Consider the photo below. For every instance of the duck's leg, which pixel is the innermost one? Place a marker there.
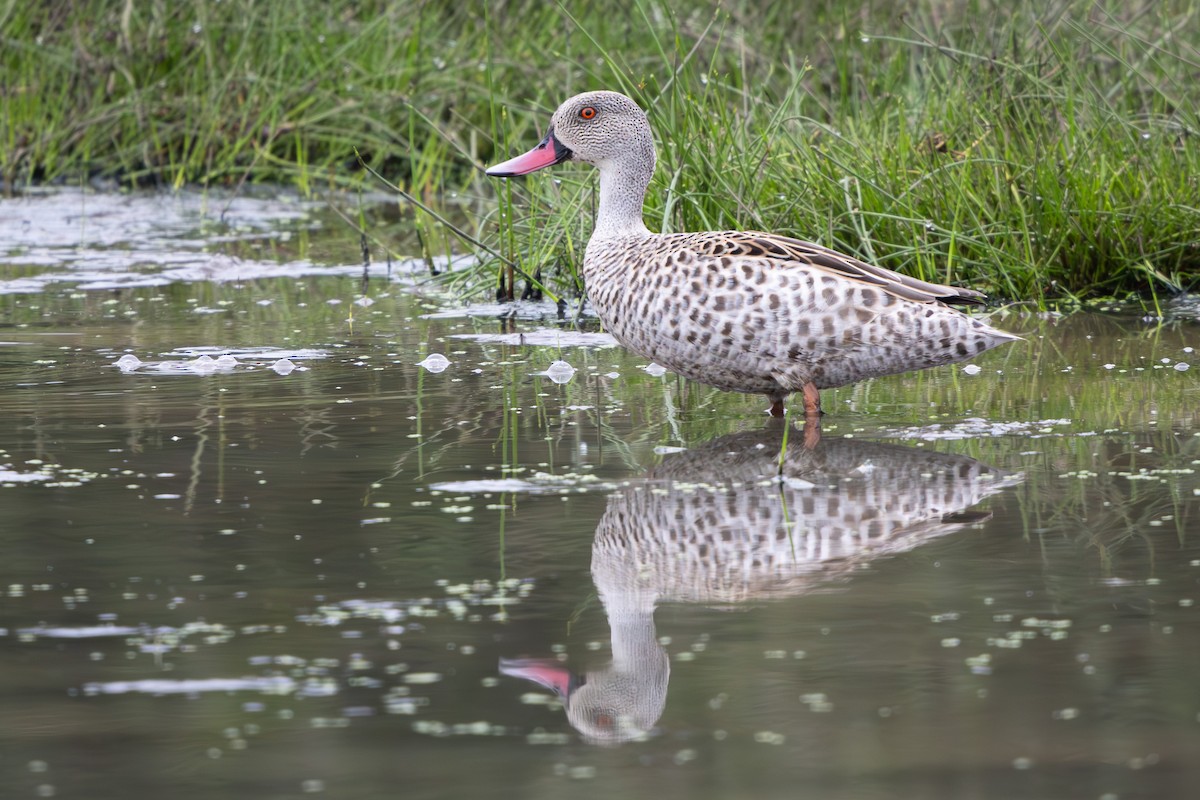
(812, 401)
(812, 415)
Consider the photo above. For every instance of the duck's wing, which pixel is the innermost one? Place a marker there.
(776, 248)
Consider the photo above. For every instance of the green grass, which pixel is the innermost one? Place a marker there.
(1045, 152)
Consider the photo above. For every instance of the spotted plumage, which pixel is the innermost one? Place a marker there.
(742, 311)
(717, 526)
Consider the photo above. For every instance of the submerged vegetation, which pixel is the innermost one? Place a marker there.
(1042, 151)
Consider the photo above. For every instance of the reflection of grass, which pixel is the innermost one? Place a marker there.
(368, 446)
(1033, 150)
(1059, 373)
(1125, 497)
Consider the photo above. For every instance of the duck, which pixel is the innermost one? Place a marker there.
(742, 311)
(719, 526)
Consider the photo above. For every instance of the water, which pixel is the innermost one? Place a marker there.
(363, 577)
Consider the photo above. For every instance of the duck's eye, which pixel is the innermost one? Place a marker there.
(587, 112)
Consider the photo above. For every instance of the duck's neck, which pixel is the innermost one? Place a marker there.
(623, 185)
(635, 644)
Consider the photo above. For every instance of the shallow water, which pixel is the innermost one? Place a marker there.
(319, 568)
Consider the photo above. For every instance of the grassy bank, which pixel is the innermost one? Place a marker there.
(1039, 153)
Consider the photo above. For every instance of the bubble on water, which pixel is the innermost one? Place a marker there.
(560, 372)
(283, 366)
(655, 370)
(364, 302)
(1182, 366)
(1110, 366)
(203, 365)
(435, 363)
(128, 362)
(972, 369)
(227, 361)
(685, 755)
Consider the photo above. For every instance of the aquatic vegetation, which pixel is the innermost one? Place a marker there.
(1043, 153)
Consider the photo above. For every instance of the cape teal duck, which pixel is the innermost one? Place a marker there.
(742, 311)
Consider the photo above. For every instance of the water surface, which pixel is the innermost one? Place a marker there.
(315, 567)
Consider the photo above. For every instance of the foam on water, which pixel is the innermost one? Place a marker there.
(543, 337)
(975, 428)
(520, 309)
(160, 686)
(120, 241)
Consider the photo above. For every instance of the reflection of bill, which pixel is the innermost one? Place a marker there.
(723, 524)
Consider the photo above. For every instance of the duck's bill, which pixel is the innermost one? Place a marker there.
(549, 152)
(546, 672)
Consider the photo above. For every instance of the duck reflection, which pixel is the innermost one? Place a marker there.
(726, 523)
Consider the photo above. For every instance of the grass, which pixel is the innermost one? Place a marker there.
(1044, 152)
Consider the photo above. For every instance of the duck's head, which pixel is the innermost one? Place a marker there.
(598, 128)
(606, 706)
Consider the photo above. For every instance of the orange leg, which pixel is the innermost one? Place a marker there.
(812, 416)
(812, 401)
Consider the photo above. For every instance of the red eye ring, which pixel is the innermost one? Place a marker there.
(587, 112)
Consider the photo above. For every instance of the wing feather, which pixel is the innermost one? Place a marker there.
(784, 248)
